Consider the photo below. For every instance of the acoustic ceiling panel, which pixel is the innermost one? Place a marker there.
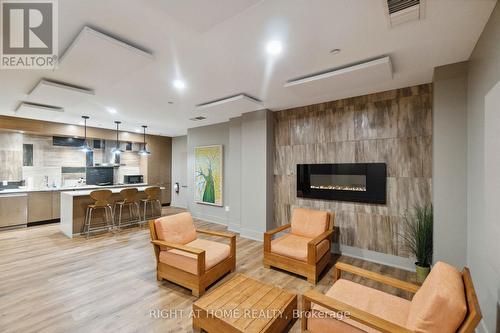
(229, 107)
(97, 59)
(58, 93)
(344, 79)
(40, 111)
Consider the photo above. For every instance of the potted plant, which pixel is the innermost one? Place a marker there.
(418, 238)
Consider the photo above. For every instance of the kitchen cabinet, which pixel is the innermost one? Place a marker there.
(13, 210)
(39, 206)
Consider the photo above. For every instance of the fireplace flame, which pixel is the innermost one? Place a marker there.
(339, 187)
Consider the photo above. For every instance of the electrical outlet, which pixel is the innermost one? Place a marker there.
(5, 183)
(227, 208)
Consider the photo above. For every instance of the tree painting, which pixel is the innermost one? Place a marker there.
(208, 175)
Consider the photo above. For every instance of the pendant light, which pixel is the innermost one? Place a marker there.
(117, 149)
(85, 147)
(144, 151)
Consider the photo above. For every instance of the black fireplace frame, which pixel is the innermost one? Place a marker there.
(376, 182)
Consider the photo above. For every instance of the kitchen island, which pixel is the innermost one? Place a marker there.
(74, 205)
(21, 207)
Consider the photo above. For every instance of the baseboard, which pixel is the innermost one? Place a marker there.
(376, 257)
(208, 218)
(234, 228)
(32, 224)
(252, 234)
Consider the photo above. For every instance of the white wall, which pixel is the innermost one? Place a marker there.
(248, 173)
(217, 134)
(256, 173)
(449, 164)
(483, 231)
(179, 171)
(233, 165)
(491, 232)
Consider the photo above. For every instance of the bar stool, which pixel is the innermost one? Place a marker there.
(101, 202)
(129, 196)
(153, 196)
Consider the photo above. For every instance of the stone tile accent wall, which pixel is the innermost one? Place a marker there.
(11, 156)
(393, 127)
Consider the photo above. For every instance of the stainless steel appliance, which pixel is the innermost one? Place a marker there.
(133, 179)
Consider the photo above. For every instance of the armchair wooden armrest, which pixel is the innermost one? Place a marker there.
(353, 313)
(390, 281)
(231, 236)
(311, 246)
(216, 233)
(278, 229)
(200, 254)
(269, 234)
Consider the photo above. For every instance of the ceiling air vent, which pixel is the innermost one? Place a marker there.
(199, 118)
(403, 11)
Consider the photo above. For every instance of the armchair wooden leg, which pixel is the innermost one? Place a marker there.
(267, 266)
(306, 307)
(198, 291)
(312, 277)
(158, 277)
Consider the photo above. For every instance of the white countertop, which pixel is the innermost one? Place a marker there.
(113, 190)
(73, 188)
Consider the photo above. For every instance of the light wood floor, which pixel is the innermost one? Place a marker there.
(49, 283)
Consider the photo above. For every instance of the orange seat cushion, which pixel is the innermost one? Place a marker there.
(295, 247)
(440, 304)
(378, 303)
(177, 229)
(309, 223)
(214, 254)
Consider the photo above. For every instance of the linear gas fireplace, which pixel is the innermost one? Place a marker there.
(357, 182)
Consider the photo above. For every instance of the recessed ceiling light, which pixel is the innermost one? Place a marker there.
(112, 110)
(179, 84)
(335, 51)
(22, 132)
(274, 47)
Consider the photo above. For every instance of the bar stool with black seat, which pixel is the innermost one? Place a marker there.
(153, 197)
(129, 196)
(101, 198)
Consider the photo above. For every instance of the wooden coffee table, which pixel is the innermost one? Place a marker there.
(243, 304)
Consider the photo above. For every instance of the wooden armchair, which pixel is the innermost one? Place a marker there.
(446, 302)
(306, 249)
(189, 261)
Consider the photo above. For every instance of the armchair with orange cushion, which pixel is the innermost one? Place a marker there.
(306, 249)
(189, 261)
(445, 303)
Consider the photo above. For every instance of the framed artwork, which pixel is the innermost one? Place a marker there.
(208, 176)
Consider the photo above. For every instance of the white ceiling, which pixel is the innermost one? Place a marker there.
(218, 48)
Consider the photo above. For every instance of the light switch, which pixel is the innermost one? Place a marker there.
(5, 183)
(227, 208)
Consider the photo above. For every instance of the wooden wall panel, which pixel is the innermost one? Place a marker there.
(393, 127)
